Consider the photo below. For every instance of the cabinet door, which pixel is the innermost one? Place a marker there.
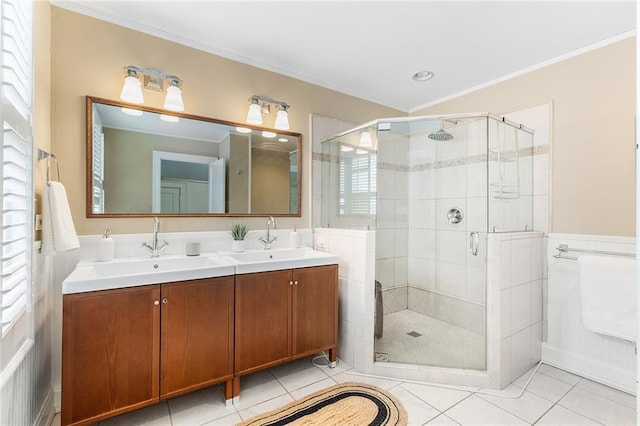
(263, 315)
(315, 309)
(110, 352)
(197, 334)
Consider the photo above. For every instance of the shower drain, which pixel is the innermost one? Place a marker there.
(414, 334)
(382, 357)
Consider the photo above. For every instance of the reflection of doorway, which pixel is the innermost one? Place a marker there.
(184, 183)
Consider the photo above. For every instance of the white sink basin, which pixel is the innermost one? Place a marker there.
(271, 260)
(118, 273)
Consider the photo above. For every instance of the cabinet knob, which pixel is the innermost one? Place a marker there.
(290, 282)
(156, 302)
(164, 301)
(295, 282)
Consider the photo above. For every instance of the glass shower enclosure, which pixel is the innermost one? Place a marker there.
(432, 188)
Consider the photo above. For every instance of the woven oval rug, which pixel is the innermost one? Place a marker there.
(346, 404)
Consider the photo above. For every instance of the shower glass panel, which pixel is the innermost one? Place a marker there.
(429, 187)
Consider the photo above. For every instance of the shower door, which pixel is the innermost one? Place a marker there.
(431, 242)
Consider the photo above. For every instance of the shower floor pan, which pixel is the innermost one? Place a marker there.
(413, 338)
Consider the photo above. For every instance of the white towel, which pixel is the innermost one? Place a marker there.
(608, 295)
(58, 232)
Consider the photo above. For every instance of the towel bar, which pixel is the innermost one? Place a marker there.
(564, 248)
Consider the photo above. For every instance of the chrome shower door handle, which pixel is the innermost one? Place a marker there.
(473, 243)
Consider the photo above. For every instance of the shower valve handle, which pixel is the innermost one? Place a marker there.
(473, 244)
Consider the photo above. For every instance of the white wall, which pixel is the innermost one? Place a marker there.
(569, 345)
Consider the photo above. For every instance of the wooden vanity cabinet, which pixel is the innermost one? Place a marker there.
(126, 348)
(284, 315)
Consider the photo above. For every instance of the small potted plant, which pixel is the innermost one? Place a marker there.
(238, 232)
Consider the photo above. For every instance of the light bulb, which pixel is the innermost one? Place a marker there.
(132, 90)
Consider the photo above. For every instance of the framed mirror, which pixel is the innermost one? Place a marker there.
(144, 161)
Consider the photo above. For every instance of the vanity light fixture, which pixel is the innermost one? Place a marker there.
(153, 80)
(262, 105)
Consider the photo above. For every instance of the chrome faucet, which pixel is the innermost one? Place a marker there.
(156, 246)
(266, 239)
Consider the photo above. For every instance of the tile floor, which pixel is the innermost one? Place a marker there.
(554, 397)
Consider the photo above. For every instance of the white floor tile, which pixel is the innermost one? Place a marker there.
(560, 416)
(258, 387)
(265, 406)
(418, 411)
(199, 407)
(476, 411)
(545, 386)
(154, 415)
(442, 420)
(597, 408)
(620, 397)
(315, 387)
(529, 407)
(561, 375)
(381, 383)
(440, 398)
(226, 421)
(298, 374)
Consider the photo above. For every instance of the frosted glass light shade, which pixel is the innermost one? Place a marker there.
(131, 111)
(169, 118)
(132, 90)
(269, 135)
(254, 116)
(173, 101)
(282, 120)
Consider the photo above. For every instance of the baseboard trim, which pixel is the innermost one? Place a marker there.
(624, 380)
(57, 399)
(47, 411)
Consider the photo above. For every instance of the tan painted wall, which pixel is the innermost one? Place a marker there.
(593, 148)
(270, 179)
(87, 59)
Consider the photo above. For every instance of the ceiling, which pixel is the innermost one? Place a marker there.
(371, 49)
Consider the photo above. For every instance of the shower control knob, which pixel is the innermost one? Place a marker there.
(454, 215)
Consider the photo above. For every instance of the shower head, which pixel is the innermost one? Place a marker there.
(441, 135)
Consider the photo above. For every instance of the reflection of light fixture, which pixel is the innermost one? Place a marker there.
(243, 130)
(169, 118)
(262, 105)
(268, 134)
(365, 139)
(131, 111)
(346, 148)
(283, 140)
(361, 151)
(153, 80)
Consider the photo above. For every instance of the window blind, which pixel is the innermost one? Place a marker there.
(357, 184)
(16, 153)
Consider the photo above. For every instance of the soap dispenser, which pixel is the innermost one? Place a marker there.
(106, 247)
(294, 238)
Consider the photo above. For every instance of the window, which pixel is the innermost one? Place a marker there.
(16, 155)
(358, 182)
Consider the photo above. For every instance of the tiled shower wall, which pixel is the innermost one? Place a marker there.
(392, 224)
(445, 280)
